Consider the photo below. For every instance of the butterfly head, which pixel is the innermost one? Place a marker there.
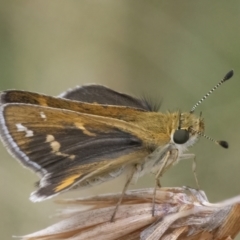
(187, 129)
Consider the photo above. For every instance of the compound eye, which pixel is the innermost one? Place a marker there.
(180, 136)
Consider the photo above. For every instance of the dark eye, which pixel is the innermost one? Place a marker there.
(180, 136)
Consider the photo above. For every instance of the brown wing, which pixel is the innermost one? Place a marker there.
(65, 147)
(94, 93)
(113, 111)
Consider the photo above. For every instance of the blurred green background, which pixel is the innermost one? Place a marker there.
(175, 50)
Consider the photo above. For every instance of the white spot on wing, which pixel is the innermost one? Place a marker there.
(29, 133)
(12, 146)
(21, 128)
(55, 145)
(50, 138)
(43, 116)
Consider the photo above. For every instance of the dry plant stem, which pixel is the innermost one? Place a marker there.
(180, 214)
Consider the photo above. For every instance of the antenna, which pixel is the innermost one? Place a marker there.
(222, 143)
(227, 77)
(180, 121)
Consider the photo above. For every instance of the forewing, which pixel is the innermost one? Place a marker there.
(119, 112)
(103, 95)
(65, 146)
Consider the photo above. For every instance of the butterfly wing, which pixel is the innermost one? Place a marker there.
(67, 147)
(125, 113)
(93, 94)
(103, 95)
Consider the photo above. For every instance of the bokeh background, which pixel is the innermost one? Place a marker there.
(174, 50)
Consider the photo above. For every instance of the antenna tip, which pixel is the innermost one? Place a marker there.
(228, 75)
(223, 144)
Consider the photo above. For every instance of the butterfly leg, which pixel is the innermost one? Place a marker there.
(194, 166)
(157, 179)
(133, 170)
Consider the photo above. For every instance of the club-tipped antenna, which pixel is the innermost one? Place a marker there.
(180, 121)
(226, 77)
(221, 143)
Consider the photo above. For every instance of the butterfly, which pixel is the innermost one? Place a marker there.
(92, 134)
